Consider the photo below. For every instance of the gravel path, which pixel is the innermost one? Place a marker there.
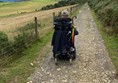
(92, 64)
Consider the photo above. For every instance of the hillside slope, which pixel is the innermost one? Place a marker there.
(107, 11)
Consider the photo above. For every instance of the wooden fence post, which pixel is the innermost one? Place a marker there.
(53, 17)
(70, 10)
(35, 26)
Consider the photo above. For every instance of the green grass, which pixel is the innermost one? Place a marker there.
(13, 8)
(110, 41)
(20, 69)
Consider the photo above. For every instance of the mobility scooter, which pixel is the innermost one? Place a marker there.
(63, 39)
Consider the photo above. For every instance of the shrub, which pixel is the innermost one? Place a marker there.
(60, 4)
(3, 40)
(3, 37)
(19, 42)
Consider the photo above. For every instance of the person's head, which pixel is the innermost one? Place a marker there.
(64, 14)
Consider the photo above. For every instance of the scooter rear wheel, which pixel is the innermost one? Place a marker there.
(70, 61)
(55, 60)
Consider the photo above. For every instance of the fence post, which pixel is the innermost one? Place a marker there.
(35, 26)
(70, 10)
(53, 17)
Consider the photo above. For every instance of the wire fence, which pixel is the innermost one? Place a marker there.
(27, 35)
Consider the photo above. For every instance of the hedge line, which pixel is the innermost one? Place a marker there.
(59, 4)
(20, 42)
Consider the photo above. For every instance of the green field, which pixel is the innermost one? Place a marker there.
(14, 8)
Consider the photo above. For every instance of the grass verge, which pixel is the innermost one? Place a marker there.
(110, 41)
(20, 69)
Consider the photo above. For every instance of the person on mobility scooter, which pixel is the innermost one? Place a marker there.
(63, 38)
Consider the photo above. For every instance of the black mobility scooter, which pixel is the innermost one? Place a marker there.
(63, 39)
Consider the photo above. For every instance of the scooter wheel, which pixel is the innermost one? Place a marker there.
(55, 60)
(70, 61)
